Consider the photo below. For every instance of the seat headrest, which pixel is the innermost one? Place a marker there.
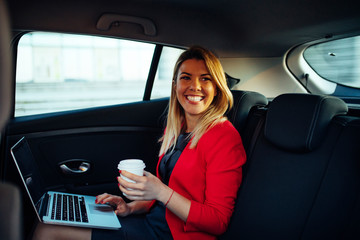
(298, 122)
(243, 102)
(231, 81)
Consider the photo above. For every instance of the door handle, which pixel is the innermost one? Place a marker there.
(75, 166)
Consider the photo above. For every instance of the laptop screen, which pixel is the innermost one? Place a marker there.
(28, 170)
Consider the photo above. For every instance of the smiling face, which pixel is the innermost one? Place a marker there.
(195, 90)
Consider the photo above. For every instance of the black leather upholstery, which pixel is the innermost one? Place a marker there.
(231, 81)
(335, 213)
(243, 102)
(298, 122)
(302, 180)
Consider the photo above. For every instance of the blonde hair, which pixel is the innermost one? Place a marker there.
(213, 114)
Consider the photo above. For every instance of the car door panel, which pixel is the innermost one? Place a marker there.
(99, 136)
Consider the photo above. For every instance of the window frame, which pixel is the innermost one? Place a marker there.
(152, 72)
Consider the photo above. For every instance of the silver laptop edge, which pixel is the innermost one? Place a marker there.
(90, 207)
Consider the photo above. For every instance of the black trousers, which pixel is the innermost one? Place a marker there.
(133, 227)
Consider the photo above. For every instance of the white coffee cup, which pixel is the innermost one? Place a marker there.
(135, 166)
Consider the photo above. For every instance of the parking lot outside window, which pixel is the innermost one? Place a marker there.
(57, 72)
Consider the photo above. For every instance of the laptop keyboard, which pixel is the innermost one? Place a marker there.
(69, 208)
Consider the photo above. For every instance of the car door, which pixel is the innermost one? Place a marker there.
(98, 137)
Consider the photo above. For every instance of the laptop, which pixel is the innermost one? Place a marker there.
(59, 208)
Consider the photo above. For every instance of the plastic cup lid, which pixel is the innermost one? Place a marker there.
(131, 164)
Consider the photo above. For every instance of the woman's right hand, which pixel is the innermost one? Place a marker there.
(122, 209)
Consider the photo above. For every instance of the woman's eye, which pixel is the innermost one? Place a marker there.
(185, 78)
(206, 79)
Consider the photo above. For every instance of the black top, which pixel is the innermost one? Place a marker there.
(170, 158)
(156, 217)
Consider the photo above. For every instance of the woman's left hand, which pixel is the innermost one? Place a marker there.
(147, 187)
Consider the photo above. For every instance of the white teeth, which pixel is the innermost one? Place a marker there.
(194, 98)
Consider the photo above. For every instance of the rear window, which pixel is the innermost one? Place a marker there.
(337, 61)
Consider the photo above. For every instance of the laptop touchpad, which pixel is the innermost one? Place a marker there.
(100, 209)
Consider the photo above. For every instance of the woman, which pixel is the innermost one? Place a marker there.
(199, 169)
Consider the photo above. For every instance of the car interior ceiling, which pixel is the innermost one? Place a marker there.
(234, 22)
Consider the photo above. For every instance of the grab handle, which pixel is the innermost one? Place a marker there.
(109, 19)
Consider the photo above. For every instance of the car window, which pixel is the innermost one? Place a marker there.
(328, 67)
(164, 74)
(57, 72)
(337, 61)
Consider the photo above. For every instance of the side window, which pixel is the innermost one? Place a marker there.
(57, 72)
(164, 74)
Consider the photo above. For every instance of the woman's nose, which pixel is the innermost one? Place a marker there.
(195, 84)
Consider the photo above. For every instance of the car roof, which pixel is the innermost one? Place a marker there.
(231, 28)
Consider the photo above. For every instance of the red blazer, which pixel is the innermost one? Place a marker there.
(209, 175)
